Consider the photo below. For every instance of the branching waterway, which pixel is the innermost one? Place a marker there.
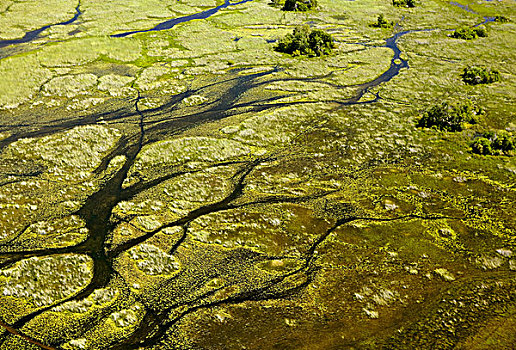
(34, 34)
(169, 24)
(167, 119)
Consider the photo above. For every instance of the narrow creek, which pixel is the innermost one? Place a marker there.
(34, 34)
(468, 9)
(172, 22)
(97, 209)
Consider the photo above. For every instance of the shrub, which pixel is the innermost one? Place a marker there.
(504, 142)
(277, 3)
(299, 5)
(482, 146)
(381, 22)
(479, 75)
(501, 19)
(304, 41)
(404, 3)
(468, 33)
(481, 31)
(494, 142)
(450, 117)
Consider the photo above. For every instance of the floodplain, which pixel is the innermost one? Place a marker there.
(182, 184)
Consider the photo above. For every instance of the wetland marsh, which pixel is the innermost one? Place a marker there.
(169, 180)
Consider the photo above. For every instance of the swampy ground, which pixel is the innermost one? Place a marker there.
(191, 188)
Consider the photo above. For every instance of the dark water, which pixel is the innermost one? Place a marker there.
(397, 64)
(172, 22)
(464, 7)
(467, 8)
(29, 36)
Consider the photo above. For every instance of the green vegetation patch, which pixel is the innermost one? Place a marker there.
(299, 5)
(306, 41)
(189, 150)
(468, 33)
(451, 116)
(48, 279)
(22, 16)
(501, 19)
(81, 148)
(153, 261)
(494, 143)
(275, 229)
(404, 3)
(474, 75)
(381, 22)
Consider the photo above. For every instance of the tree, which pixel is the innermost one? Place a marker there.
(381, 22)
(320, 42)
(482, 146)
(404, 3)
(504, 142)
(299, 5)
(494, 142)
(304, 41)
(501, 19)
(450, 116)
(468, 33)
(474, 75)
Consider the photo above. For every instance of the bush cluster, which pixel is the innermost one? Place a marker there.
(404, 3)
(450, 116)
(501, 19)
(299, 5)
(468, 33)
(305, 41)
(494, 142)
(381, 22)
(479, 75)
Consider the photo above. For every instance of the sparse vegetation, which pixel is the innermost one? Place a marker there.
(494, 143)
(479, 75)
(306, 41)
(469, 33)
(450, 116)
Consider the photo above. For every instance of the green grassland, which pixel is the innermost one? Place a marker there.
(193, 188)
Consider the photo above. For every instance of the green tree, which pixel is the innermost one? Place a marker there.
(304, 41)
(381, 22)
(450, 116)
(496, 142)
(299, 5)
(482, 146)
(474, 75)
(404, 3)
(468, 33)
(320, 42)
(504, 142)
(501, 19)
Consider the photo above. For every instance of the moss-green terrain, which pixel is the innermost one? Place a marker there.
(193, 188)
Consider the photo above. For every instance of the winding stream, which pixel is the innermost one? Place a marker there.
(32, 35)
(98, 208)
(172, 22)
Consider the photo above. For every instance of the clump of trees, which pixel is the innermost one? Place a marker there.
(451, 116)
(404, 3)
(494, 143)
(501, 19)
(299, 5)
(469, 33)
(474, 75)
(305, 41)
(381, 22)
